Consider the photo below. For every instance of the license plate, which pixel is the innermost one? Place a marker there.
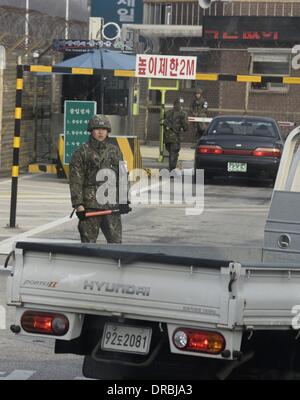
(125, 338)
(236, 167)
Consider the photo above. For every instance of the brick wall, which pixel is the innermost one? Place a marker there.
(229, 97)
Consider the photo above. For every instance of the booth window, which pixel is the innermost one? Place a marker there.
(113, 92)
(271, 65)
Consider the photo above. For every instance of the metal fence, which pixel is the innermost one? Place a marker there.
(43, 29)
(41, 93)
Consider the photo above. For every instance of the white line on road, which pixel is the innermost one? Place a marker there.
(22, 177)
(6, 245)
(18, 375)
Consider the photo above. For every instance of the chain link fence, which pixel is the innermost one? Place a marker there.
(42, 93)
(43, 29)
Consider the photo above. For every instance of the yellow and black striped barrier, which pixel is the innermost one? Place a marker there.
(130, 148)
(287, 80)
(77, 71)
(16, 147)
(47, 168)
(284, 79)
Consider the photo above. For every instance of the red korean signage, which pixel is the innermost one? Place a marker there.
(246, 35)
(251, 29)
(169, 67)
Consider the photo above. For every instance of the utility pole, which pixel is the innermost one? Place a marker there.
(67, 19)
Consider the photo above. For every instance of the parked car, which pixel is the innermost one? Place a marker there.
(240, 146)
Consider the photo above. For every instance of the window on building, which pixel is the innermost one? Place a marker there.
(166, 14)
(113, 92)
(270, 65)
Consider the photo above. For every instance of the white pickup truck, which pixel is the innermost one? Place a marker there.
(169, 311)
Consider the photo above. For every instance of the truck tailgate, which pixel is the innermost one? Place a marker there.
(117, 280)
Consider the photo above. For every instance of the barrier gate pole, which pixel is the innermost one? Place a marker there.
(16, 146)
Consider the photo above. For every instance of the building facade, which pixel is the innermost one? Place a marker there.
(238, 37)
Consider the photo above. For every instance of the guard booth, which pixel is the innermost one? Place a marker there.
(92, 78)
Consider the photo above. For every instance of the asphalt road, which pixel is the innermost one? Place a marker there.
(234, 215)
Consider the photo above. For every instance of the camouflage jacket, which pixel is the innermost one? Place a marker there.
(84, 166)
(197, 109)
(175, 124)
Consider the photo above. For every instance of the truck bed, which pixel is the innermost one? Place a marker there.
(162, 283)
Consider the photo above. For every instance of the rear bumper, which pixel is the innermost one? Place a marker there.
(217, 165)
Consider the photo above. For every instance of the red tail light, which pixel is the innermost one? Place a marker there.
(198, 340)
(209, 149)
(266, 152)
(45, 323)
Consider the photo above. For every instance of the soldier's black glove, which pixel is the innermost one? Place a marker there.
(124, 208)
(81, 215)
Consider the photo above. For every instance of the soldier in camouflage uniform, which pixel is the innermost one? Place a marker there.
(98, 153)
(175, 124)
(198, 109)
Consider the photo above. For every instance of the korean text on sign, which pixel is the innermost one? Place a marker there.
(126, 10)
(77, 116)
(160, 66)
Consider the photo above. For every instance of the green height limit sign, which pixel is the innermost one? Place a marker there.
(77, 116)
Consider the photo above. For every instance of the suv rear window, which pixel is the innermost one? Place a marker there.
(243, 127)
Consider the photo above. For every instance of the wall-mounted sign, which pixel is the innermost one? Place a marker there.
(77, 116)
(83, 46)
(255, 29)
(170, 67)
(119, 11)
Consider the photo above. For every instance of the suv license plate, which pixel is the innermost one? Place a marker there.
(125, 338)
(236, 167)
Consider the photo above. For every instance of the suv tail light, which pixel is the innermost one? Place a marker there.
(198, 340)
(209, 149)
(45, 323)
(266, 152)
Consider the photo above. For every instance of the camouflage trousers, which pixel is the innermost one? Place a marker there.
(173, 149)
(199, 129)
(110, 225)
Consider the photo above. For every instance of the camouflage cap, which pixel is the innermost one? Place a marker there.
(99, 121)
(198, 91)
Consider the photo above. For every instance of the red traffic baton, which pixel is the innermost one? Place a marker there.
(82, 215)
(99, 213)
